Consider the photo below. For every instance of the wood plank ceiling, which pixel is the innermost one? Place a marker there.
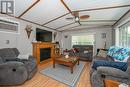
(52, 14)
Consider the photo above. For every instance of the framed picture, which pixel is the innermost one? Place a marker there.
(103, 35)
(65, 36)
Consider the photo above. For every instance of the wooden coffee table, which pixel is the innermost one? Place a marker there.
(70, 62)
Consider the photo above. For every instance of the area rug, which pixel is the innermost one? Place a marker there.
(62, 73)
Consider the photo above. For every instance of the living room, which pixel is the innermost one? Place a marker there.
(75, 30)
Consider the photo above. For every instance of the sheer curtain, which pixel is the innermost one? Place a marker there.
(83, 40)
(124, 35)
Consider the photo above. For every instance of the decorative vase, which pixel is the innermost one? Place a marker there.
(66, 56)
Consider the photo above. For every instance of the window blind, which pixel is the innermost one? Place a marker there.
(124, 35)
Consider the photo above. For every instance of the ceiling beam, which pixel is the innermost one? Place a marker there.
(95, 24)
(87, 21)
(61, 15)
(28, 8)
(121, 18)
(29, 21)
(86, 26)
(55, 19)
(65, 25)
(112, 7)
(71, 27)
(121, 6)
(35, 23)
(99, 26)
(99, 21)
(65, 5)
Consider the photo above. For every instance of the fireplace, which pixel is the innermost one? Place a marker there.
(45, 53)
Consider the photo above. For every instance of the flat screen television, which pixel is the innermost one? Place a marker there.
(43, 35)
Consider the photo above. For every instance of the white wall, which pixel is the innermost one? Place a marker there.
(99, 41)
(20, 40)
(4, 37)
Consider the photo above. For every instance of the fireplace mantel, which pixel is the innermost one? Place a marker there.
(36, 50)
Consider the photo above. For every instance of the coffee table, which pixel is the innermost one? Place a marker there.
(70, 62)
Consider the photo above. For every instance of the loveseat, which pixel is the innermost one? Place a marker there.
(13, 70)
(85, 52)
(97, 76)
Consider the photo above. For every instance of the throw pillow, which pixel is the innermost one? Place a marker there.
(25, 56)
(122, 54)
(75, 50)
(102, 53)
(112, 50)
(86, 51)
(125, 60)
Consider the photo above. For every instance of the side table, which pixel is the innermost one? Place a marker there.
(111, 83)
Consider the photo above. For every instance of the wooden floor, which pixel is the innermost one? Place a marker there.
(40, 80)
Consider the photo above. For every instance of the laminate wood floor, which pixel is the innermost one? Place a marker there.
(40, 80)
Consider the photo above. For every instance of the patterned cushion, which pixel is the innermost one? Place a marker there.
(102, 53)
(112, 50)
(118, 53)
(121, 54)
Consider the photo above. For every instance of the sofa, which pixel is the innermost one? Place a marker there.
(85, 52)
(97, 76)
(13, 70)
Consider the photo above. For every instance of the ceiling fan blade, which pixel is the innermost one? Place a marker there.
(84, 17)
(70, 18)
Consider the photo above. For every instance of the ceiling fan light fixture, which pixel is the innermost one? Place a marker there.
(77, 19)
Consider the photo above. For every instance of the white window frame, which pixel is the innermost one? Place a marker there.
(119, 32)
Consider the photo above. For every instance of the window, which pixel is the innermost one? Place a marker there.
(124, 35)
(83, 40)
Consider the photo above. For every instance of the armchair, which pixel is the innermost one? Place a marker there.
(12, 73)
(13, 70)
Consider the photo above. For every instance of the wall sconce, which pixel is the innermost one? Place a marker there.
(28, 30)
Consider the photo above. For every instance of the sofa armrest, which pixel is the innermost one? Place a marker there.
(11, 64)
(109, 71)
(32, 59)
